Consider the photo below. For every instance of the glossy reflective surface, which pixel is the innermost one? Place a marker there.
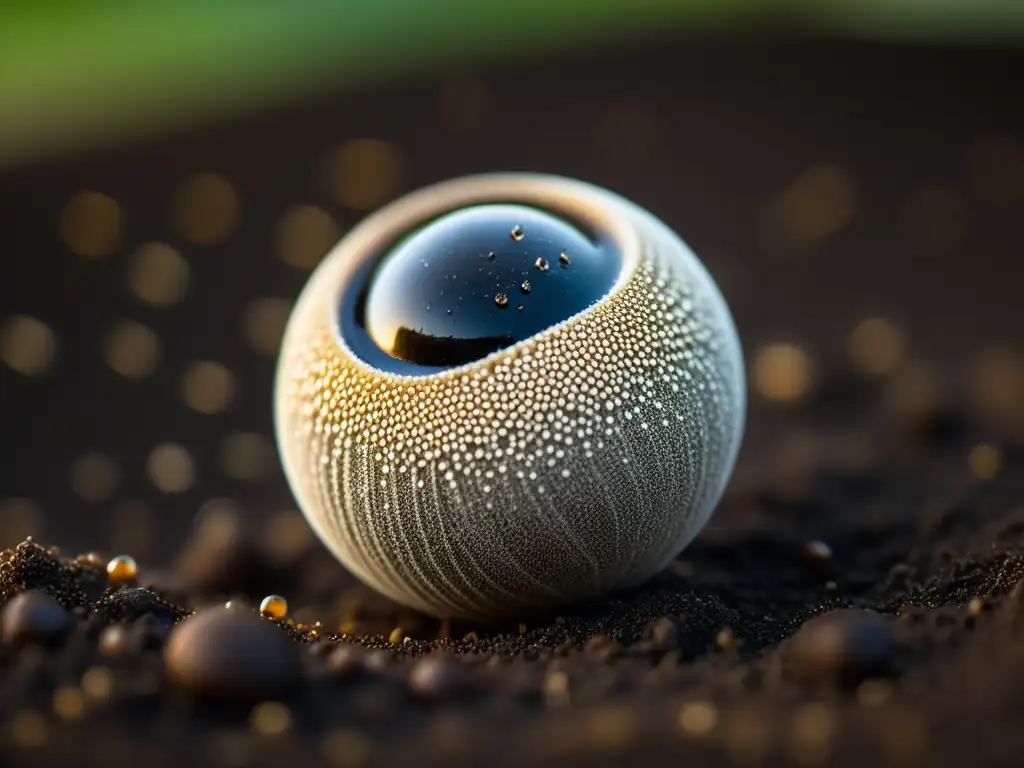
(480, 279)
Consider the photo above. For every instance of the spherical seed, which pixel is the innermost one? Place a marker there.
(640, 393)
(122, 570)
(230, 657)
(34, 617)
(847, 646)
(274, 606)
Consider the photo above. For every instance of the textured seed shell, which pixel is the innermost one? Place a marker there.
(573, 463)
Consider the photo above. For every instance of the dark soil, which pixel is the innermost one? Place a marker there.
(857, 599)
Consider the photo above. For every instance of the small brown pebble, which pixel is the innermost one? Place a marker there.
(35, 618)
(435, 677)
(231, 657)
(817, 556)
(847, 646)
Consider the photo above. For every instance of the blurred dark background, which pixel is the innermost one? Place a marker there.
(859, 198)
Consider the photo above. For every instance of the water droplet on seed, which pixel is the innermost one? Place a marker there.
(563, 257)
(501, 300)
(541, 264)
(526, 286)
(517, 233)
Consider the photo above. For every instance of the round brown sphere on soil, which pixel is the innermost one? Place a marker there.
(34, 617)
(230, 657)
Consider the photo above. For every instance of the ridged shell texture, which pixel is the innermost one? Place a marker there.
(576, 462)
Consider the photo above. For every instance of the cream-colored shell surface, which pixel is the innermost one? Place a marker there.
(573, 463)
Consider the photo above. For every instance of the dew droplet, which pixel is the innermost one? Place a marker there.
(122, 569)
(541, 264)
(274, 606)
(491, 255)
(501, 300)
(526, 286)
(563, 258)
(517, 232)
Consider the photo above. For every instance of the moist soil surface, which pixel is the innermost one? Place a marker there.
(856, 599)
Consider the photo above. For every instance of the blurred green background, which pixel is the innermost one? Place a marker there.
(73, 74)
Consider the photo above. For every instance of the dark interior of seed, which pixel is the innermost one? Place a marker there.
(438, 298)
